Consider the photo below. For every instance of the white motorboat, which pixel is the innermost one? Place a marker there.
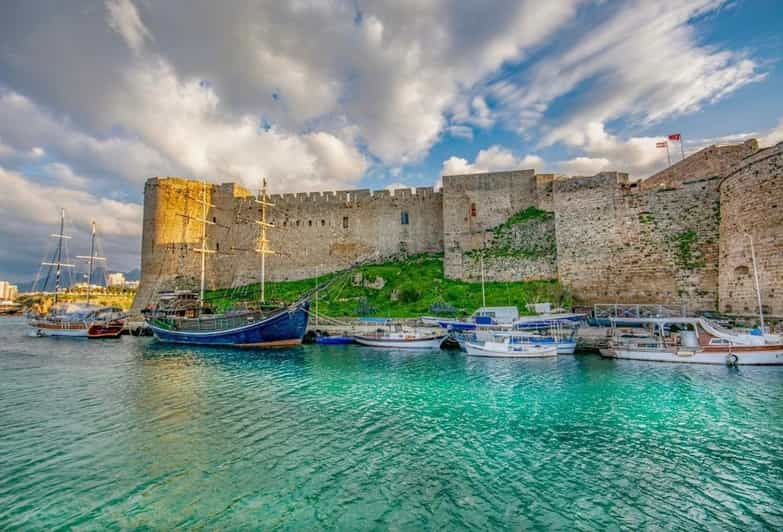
(693, 341)
(509, 345)
(402, 339)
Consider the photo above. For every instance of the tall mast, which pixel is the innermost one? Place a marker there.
(91, 261)
(58, 258)
(59, 255)
(203, 242)
(263, 242)
(756, 279)
(483, 292)
(203, 250)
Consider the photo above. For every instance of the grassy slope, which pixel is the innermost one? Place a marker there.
(418, 282)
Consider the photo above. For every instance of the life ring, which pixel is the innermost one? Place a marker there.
(732, 359)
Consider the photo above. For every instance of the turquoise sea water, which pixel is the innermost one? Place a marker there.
(130, 433)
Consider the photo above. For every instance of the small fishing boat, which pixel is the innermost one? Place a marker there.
(395, 335)
(323, 339)
(564, 346)
(511, 346)
(401, 340)
(693, 341)
(545, 321)
(555, 329)
(500, 317)
(183, 318)
(547, 329)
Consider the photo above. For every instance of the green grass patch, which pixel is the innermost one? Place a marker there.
(531, 213)
(413, 287)
(503, 244)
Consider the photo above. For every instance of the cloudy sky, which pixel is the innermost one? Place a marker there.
(97, 96)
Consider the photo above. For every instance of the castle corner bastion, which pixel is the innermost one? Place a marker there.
(681, 236)
(752, 208)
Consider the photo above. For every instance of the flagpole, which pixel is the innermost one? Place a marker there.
(682, 150)
(668, 155)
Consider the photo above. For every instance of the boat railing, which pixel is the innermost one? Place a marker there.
(639, 311)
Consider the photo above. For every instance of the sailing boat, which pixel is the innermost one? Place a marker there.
(74, 319)
(181, 319)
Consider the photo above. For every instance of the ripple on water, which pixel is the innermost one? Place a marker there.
(132, 433)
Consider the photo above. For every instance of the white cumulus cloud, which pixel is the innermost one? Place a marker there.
(123, 17)
(494, 158)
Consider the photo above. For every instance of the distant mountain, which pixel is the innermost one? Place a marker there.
(133, 275)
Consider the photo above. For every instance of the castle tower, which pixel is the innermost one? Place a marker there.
(752, 204)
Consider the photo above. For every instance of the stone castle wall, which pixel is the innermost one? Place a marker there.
(334, 231)
(475, 204)
(314, 233)
(752, 204)
(675, 238)
(618, 243)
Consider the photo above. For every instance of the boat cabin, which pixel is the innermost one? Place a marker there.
(496, 315)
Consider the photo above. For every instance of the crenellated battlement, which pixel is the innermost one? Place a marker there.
(332, 197)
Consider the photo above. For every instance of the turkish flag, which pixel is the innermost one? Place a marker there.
(674, 136)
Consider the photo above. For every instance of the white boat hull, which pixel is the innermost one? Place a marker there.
(739, 356)
(424, 343)
(70, 333)
(478, 350)
(564, 347)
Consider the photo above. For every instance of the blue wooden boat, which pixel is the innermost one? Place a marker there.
(281, 328)
(183, 318)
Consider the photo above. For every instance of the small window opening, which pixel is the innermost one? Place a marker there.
(214, 219)
(309, 223)
(345, 222)
(323, 223)
(473, 210)
(404, 218)
(297, 223)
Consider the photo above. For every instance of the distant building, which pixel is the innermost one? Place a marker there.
(131, 285)
(115, 280)
(8, 291)
(82, 287)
